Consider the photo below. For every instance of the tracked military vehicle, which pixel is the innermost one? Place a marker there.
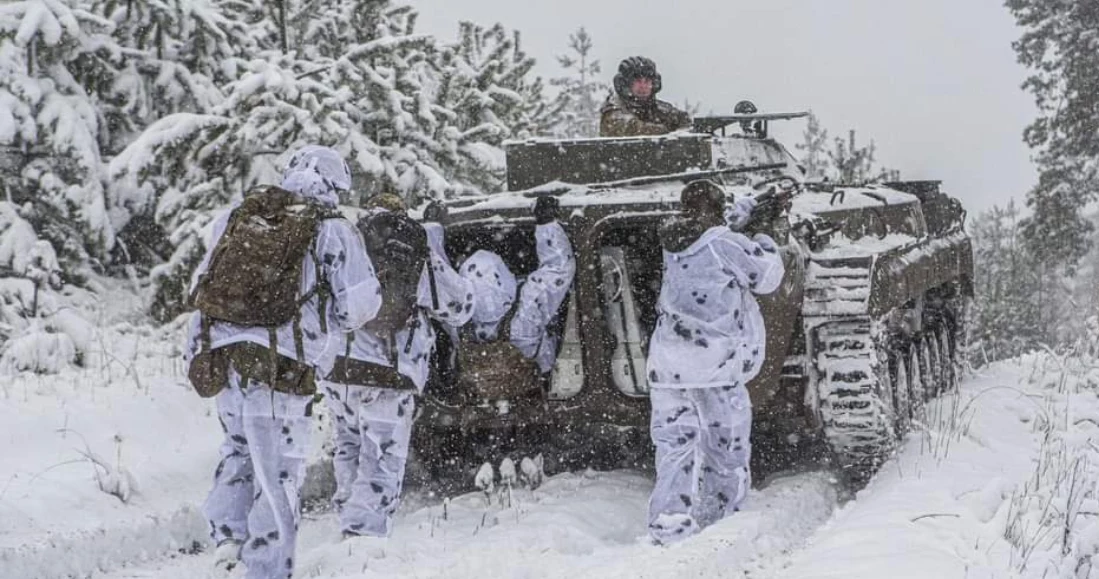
(865, 328)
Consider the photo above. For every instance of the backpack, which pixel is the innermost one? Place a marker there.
(497, 370)
(253, 279)
(397, 246)
(254, 274)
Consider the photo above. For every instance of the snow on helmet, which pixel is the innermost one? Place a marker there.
(633, 68)
(318, 173)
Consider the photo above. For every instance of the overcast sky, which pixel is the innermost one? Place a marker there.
(933, 82)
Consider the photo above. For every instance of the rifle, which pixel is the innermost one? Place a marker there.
(769, 205)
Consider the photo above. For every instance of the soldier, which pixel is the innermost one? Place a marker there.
(371, 391)
(632, 109)
(540, 296)
(284, 271)
(707, 344)
(445, 363)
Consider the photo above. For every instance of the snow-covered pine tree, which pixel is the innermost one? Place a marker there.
(57, 70)
(854, 164)
(580, 89)
(40, 330)
(180, 50)
(355, 76)
(1059, 45)
(176, 55)
(54, 61)
(814, 149)
(483, 96)
(329, 28)
(367, 103)
(1085, 296)
(1006, 312)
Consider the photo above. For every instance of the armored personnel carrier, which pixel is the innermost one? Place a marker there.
(865, 328)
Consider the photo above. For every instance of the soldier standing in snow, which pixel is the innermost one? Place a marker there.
(380, 369)
(632, 109)
(285, 276)
(539, 297)
(708, 343)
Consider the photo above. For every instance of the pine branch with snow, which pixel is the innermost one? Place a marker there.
(412, 116)
(1058, 45)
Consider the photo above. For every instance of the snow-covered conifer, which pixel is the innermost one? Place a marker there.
(577, 104)
(1058, 44)
(814, 149)
(56, 60)
(483, 96)
(411, 117)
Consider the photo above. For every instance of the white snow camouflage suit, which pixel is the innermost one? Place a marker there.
(708, 343)
(540, 296)
(258, 481)
(373, 424)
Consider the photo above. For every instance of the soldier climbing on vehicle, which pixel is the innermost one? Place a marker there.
(515, 325)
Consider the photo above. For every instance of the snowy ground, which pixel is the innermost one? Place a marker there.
(1000, 481)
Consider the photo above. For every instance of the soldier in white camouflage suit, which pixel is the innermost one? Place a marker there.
(372, 409)
(254, 508)
(708, 343)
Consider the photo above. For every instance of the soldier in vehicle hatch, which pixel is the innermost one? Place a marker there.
(633, 110)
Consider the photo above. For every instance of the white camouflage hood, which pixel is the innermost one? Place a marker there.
(317, 173)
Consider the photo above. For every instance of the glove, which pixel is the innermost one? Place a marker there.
(740, 212)
(546, 209)
(766, 211)
(435, 212)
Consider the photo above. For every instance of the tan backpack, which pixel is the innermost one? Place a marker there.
(254, 279)
(497, 370)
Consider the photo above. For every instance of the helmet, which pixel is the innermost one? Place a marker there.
(704, 200)
(756, 128)
(387, 201)
(632, 68)
(745, 108)
(318, 173)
